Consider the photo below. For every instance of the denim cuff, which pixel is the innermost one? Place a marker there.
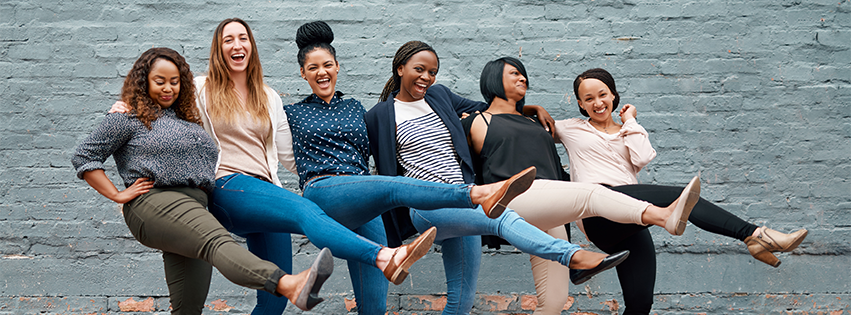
(271, 285)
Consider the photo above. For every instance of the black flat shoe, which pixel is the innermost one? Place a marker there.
(579, 276)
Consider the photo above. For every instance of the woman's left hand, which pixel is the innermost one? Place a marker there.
(628, 111)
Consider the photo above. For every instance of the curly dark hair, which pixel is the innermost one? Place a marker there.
(135, 89)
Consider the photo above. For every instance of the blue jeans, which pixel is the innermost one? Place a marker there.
(455, 223)
(368, 282)
(356, 200)
(246, 205)
(277, 248)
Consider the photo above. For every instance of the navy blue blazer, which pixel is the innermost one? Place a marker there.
(381, 127)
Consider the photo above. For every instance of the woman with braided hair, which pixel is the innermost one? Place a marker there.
(415, 131)
(331, 147)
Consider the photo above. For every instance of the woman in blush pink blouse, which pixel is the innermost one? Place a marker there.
(604, 152)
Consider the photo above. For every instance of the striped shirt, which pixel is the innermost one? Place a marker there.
(424, 146)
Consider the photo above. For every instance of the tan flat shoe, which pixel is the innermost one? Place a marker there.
(511, 188)
(676, 223)
(768, 241)
(416, 250)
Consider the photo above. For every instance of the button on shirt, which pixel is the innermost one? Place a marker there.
(328, 138)
(174, 152)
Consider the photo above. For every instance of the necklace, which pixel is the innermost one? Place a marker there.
(605, 129)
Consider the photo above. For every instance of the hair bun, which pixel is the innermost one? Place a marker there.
(312, 33)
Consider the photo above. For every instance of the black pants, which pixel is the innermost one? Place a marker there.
(637, 275)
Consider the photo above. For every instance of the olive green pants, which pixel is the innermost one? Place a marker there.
(176, 221)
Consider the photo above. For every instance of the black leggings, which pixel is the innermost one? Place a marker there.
(637, 275)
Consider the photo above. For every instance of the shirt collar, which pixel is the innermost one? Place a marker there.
(313, 98)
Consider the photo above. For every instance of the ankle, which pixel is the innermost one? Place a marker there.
(478, 194)
(584, 259)
(383, 258)
(755, 232)
(288, 286)
(654, 215)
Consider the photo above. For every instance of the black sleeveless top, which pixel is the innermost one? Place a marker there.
(513, 143)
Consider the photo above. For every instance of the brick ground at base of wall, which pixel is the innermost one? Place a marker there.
(582, 304)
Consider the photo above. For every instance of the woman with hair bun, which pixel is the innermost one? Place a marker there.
(246, 121)
(332, 147)
(167, 163)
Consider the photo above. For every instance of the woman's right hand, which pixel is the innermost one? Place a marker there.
(98, 180)
(119, 107)
(139, 187)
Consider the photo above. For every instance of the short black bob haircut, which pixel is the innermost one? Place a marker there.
(491, 83)
(599, 74)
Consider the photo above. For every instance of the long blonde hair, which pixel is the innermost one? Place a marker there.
(223, 102)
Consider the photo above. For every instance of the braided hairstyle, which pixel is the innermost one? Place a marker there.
(404, 54)
(134, 92)
(311, 36)
(599, 74)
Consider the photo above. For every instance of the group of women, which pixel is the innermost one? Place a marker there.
(199, 159)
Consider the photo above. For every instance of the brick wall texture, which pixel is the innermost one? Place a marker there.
(755, 95)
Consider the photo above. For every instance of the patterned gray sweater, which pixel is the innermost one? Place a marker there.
(174, 152)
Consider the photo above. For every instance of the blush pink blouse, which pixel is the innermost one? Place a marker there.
(596, 157)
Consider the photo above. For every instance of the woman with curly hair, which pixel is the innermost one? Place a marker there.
(167, 163)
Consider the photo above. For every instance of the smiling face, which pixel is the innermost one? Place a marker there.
(236, 46)
(320, 70)
(513, 83)
(417, 75)
(164, 83)
(596, 99)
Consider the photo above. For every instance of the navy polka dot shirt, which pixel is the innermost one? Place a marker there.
(328, 138)
(173, 153)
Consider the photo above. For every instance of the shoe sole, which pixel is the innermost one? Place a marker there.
(321, 269)
(692, 194)
(517, 185)
(610, 266)
(415, 252)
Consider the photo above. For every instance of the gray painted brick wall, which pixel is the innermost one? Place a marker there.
(754, 95)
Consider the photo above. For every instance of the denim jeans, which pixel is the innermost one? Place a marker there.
(462, 257)
(369, 284)
(277, 248)
(462, 261)
(356, 200)
(245, 205)
(510, 226)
